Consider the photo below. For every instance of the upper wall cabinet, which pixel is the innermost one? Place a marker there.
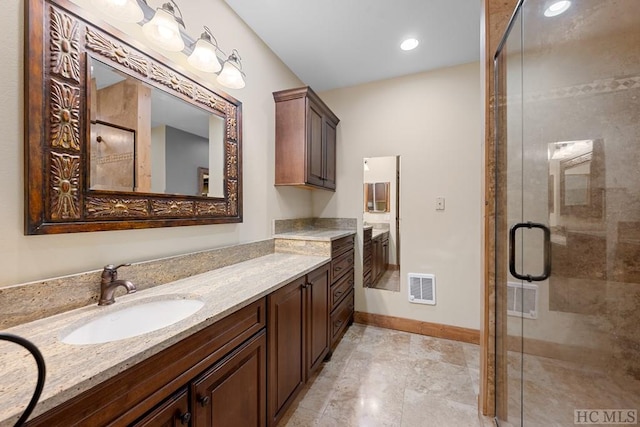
(305, 140)
(117, 136)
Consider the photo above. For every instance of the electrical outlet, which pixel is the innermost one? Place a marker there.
(439, 203)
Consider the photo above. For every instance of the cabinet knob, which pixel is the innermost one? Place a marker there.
(338, 293)
(185, 418)
(204, 400)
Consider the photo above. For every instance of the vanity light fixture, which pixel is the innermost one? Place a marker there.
(556, 8)
(164, 28)
(409, 44)
(231, 75)
(123, 10)
(204, 56)
(164, 31)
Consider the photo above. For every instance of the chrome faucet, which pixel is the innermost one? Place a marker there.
(110, 282)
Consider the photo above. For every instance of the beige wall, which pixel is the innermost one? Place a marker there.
(26, 258)
(432, 121)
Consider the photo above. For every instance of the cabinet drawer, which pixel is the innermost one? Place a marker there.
(340, 289)
(341, 265)
(341, 245)
(341, 317)
(366, 235)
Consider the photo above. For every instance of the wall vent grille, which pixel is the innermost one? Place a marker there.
(522, 300)
(422, 288)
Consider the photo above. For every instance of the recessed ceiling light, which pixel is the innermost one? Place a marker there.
(409, 44)
(557, 8)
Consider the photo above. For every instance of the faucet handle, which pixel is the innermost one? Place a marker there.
(111, 267)
(110, 271)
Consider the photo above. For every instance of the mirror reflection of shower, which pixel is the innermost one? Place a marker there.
(381, 219)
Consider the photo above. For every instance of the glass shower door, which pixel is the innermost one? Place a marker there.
(568, 159)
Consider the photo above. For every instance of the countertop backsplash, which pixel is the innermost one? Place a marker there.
(39, 299)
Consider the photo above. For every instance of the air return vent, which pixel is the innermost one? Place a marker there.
(522, 300)
(422, 288)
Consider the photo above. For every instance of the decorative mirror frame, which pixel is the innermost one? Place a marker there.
(58, 38)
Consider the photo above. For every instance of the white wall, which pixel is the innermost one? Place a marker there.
(432, 121)
(25, 258)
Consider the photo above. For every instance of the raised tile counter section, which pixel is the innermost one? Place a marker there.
(73, 369)
(311, 236)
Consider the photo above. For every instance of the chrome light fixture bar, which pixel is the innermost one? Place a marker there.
(163, 30)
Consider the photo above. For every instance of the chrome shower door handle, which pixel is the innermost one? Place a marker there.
(547, 252)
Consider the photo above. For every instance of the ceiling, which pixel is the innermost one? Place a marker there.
(330, 44)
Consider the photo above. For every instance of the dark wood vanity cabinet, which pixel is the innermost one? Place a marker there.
(341, 293)
(243, 370)
(305, 140)
(228, 356)
(375, 257)
(233, 392)
(367, 258)
(298, 337)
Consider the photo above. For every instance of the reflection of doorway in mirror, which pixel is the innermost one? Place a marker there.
(381, 210)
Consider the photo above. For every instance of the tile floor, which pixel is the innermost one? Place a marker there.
(390, 281)
(381, 377)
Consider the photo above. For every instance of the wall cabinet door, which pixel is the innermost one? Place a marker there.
(286, 346)
(329, 155)
(315, 145)
(317, 290)
(174, 412)
(234, 391)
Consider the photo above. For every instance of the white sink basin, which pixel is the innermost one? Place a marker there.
(133, 320)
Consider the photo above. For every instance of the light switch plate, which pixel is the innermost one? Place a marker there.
(439, 203)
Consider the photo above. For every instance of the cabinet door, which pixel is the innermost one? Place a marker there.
(329, 155)
(385, 255)
(317, 317)
(233, 392)
(173, 412)
(285, 330)
(315, 149)
(377, 255)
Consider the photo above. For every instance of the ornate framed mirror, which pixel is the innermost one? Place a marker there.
(105, 126)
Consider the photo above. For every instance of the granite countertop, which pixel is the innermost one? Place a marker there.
(316, 234)
(378, 232)
(72, 369)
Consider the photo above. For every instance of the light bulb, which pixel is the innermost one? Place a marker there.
(164, 31)
(409, 44)
(557, 8)
(123, 10)
(204, 57)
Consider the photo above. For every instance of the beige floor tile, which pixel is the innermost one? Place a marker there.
(424, 410)
(442, 380)
(437, 349)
